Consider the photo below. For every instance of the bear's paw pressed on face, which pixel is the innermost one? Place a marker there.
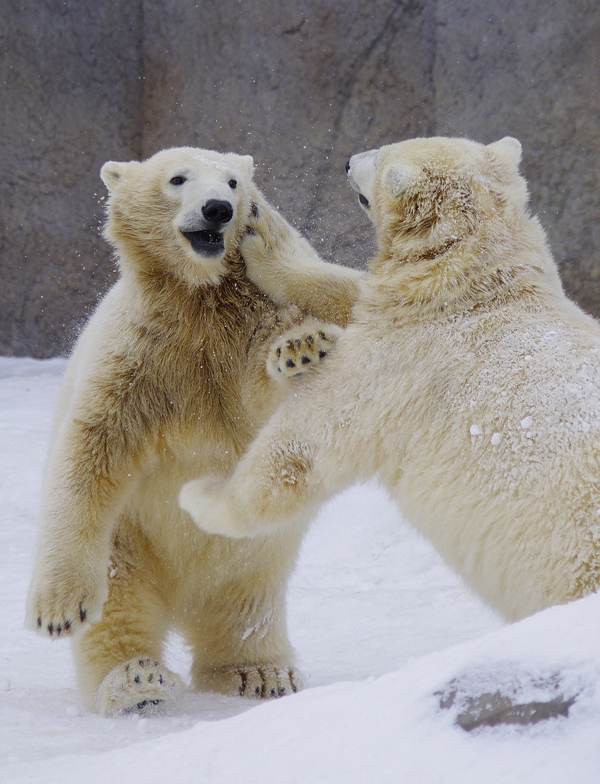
(283, 265)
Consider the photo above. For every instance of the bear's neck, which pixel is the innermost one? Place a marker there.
(167, 302)
(413, 281)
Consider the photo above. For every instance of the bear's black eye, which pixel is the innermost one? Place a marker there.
(363, 200)
(232, 184)
(179, 180)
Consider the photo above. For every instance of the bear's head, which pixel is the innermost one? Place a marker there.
(452, 224)
(181, 212)
(431, 193)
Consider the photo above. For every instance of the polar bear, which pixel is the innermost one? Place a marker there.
(466, 380)
(182, 362)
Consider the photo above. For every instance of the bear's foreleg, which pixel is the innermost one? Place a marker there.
(90, 476)
(271, 484)
(310, 449)
(286, 267)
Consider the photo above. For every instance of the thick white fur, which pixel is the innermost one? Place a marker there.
(467, 380)
(168, 381)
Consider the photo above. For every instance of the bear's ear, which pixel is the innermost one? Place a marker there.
(243, 163)
(509, 149)
(399, 178)
(247, 165)
(111, 173)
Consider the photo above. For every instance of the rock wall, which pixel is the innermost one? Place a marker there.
(532, 70)
(299, 85)
(70, 97)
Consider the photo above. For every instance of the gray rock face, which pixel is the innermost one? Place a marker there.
(531, 70)
(301, 87)
(70, 97)
(488, 697)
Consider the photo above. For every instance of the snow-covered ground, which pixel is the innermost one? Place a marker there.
(381, 626)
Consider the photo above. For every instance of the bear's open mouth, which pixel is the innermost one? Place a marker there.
(206, 242)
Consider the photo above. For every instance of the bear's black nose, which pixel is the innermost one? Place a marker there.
(347, 167)
(217, 212)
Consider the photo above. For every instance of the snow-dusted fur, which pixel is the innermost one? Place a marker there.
(167, 382)
(467, 381)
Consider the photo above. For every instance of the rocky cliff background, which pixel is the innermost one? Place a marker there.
(301, 86)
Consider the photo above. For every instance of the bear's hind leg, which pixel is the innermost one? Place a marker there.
(240, 641)
(118, 657)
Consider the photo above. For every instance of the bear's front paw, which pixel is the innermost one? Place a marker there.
(201, 499)
(301, 349)
(210, 503)
(265, 230)
(264, 245)
(254, 682)
(137, 686)
(64, 602)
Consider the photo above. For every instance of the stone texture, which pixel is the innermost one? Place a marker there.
(299, 85)
(70, 98)
(506, 694)
(532, 70)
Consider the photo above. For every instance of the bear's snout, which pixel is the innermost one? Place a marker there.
(217, 212)
(204, 233)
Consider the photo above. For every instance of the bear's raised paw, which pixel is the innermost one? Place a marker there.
(137, 686)
(300, 349)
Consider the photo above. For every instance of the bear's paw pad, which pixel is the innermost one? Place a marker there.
(137, 686)
(300, 350)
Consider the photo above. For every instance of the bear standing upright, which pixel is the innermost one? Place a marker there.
(466, 379)
(169, 380)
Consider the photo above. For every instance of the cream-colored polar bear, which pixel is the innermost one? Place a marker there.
(466, 380)
(169, 381)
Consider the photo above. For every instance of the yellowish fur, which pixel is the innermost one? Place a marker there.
(167, 382)
(467, 380)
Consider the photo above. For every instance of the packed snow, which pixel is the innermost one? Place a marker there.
(384, 631)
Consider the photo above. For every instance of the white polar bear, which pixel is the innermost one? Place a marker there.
(169, 380)
(467, 380)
